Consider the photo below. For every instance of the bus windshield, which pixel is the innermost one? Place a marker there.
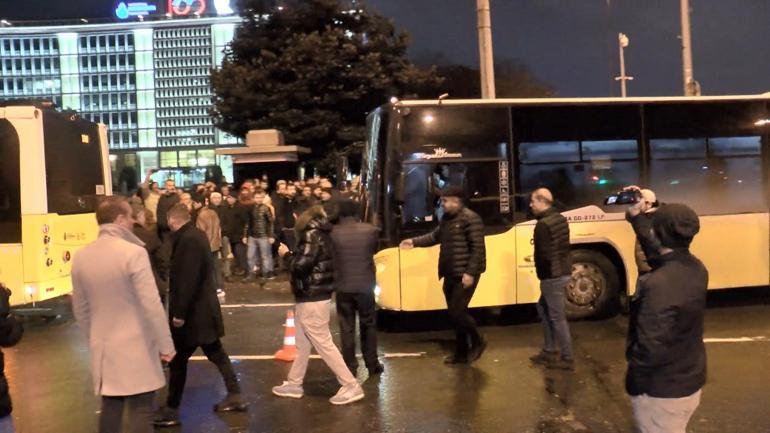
(10, 193)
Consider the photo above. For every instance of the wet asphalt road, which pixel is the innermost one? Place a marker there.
(51, 386)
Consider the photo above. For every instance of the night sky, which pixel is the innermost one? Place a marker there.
(569, 44)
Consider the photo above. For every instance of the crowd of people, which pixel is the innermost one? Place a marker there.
(180, 260)
(245, 224)
(120, 280)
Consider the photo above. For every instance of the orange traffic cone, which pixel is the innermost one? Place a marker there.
(289, 351)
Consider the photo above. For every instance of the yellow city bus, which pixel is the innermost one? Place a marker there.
(712, 153)
(53, 167)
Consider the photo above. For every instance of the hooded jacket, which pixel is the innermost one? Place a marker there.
(311, 263)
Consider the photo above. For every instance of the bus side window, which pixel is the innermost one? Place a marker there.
(424, 182)
(708, 156)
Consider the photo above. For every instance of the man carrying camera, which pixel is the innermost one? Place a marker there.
(665, 351)
(640, 216)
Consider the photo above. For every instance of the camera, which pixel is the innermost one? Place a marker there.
(624, 198)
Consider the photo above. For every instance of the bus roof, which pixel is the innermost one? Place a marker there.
(562, 101)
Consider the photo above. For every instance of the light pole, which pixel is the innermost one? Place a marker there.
(486, 63)
(622, 44)
(691, 87)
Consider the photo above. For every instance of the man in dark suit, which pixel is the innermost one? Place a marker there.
(355, 244)
(196, 318)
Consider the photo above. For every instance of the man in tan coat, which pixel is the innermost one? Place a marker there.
(116, 304)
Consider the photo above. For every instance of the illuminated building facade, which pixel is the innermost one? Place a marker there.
(146, 79)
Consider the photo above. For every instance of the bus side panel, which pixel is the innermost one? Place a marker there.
(50, 243)
(420, 287)
(388, 290)
(527, 283)
(497, 285)
(10, 265)
(40, 256)
(422, 290)
(735, 249)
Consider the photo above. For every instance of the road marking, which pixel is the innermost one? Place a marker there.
(256, 305)
(736, 340)
(272, 357)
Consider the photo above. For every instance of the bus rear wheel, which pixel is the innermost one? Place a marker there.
(593, 289)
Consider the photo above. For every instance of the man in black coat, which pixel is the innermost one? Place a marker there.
(461, 262)
(169, 198)
(554, 271)
(665, 351)
(355, 244)
(11, 331)
(196, 318)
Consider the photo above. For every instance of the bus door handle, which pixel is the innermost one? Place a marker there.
(529, 259)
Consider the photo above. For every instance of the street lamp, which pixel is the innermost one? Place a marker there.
(486, 62)
(622, 44)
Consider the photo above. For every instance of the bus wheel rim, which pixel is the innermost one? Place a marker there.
(586, 285)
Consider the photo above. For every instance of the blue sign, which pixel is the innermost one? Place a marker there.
(126, 10)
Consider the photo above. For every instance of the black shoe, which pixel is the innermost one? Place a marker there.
(477, 350)
(561, 364)
(456, 359)
(543, 358)
(376, 370)
(270, 276)
(231, 403)
(167, 417)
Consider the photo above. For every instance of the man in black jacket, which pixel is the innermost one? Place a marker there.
(665, 352)
(196, 318)
(553, 269)
(11, 331)
(311, 265)
(462, 260)
(169, 198)
(261, 238)
(355, 244)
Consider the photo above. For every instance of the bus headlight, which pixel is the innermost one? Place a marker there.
(29, 290)
(377, 291)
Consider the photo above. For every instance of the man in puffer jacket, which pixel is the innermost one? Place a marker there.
(311, 266)
(461, 262)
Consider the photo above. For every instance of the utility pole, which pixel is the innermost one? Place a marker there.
(622, 44)
(691, 87)
(486, 64)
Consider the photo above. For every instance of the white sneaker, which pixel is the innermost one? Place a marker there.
(348, 394)
(289, 390)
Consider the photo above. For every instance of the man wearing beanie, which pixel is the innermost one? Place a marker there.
(665, 351)
(462, 260)
(640, 216)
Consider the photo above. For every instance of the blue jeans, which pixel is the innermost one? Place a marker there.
(550, 307)
(6, 425)
(261, 247)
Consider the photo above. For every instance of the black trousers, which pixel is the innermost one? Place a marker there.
(457, 300)
(137, 409)
(239, 252)
(348, 306)
(178, 370)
